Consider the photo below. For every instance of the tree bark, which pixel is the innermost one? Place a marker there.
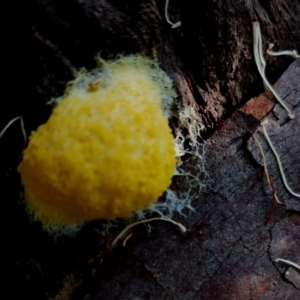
(237, 230)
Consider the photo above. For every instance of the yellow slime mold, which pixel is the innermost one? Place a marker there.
(107, 150)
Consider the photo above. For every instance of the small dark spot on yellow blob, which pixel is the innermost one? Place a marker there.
(94, 85)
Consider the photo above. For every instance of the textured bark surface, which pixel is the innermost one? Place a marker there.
(228, 251)
(209, 57)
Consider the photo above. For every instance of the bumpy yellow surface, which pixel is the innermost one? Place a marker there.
(107, 149)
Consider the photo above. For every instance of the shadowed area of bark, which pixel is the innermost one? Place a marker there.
(209, 57)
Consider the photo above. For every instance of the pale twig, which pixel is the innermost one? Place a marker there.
(174, 25)
(265, 168)
(181, 227)
(287, 262)
(22, 128)
(261, 57)
(279, 163)
(23, 132)
(292, 53)
(261, 64)
(126, 239)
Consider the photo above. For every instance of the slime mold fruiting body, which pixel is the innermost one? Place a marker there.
(106, 150)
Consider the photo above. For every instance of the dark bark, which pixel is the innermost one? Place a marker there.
(227, 251)
(209, 57)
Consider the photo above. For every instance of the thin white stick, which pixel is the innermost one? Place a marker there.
(174, 25)
(292, 53)
(261, 57)
(8, 125)
(261, 64)
(23, 132)
(126, 239)
(279, 163)
(181, 227)
(287, 262)
(259, 49)
(22, 127)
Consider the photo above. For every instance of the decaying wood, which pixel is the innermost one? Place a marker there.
(228, 251)
(209, 57)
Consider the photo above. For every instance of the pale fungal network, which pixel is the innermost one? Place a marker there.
(292, 53)
(123, 232)
(174, 25)
(22, 127)
(126, 239)
(279, 163)
(287, 262)
(261, 64)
